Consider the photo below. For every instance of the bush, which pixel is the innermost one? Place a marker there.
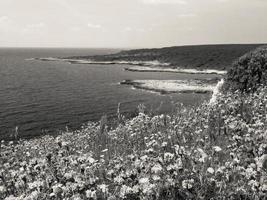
(249, 71)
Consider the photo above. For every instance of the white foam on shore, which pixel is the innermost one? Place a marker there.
(175, 70)
(174, 86)
(88, 61)
(216, 92)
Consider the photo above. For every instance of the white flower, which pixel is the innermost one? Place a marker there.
(145, 157)
(144, 180)
(118, 179)
(103, 188)
(263, 188)
(187, 184)
(202, 154)
(57, 189)
(2, 189)
(68, 175)
(91, 160)
(148, 189)
(260, 161)
(90, 194)
(168, 156)
(217, 148)
(156, 168)
(253, 184)
(125, 190)
(210, 170)
(164, 144)
(155, 177)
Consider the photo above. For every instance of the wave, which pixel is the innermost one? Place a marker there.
(216, 92)
(173, 86)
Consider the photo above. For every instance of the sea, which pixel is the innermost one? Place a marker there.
(44, 97)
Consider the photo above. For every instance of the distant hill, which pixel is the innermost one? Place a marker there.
(199, 57)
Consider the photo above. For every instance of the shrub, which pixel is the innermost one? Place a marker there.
(249, 71)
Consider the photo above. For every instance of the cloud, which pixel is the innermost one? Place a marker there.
(164, 2)
(3, 18)
(36, 26)
(127, 29)
(33, 28)
(96, 26)
(189, 15)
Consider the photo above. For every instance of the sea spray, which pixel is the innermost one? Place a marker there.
(216, 92)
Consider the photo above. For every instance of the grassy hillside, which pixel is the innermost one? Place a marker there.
(200, 57)
(214, 151)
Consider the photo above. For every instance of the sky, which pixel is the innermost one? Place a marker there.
(131, 23)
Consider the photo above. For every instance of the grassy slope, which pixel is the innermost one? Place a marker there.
(213, 151)
(199, 57)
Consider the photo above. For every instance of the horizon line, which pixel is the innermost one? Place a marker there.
(137, 47)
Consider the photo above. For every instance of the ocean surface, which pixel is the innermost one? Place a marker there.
(42, 97)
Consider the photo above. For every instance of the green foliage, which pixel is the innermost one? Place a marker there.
(249, 71)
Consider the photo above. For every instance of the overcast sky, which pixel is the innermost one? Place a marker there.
(131, 23)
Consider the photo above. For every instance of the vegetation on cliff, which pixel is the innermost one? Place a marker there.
(249, 71)
(219, 57)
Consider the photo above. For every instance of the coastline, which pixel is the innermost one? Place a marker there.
(172, 86)
(175, 70)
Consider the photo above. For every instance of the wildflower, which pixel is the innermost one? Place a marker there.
(210, 170)
(164, 144)
(91, 160)
(11, 197)
(118, 179)
(253, 184)
(103, 188)
(250, 173)
(125, 190)
(33, 196)
(217, 148)
(203, 155)
(57, 189)
(68, 175)
(156, 168)
(90, 194)
(155, 177)
(263, 187)
(2, 189)
(145, 157)
(168, 156)
(35, 185)
(262, 162)
(188, 184)
(144, 180)
(148, 189)
(64, 144)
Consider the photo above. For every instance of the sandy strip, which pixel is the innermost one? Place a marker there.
(174, 70)
(172, 86)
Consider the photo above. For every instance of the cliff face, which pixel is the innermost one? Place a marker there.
(199, 57)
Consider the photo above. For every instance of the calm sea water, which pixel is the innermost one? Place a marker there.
(37, 95)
